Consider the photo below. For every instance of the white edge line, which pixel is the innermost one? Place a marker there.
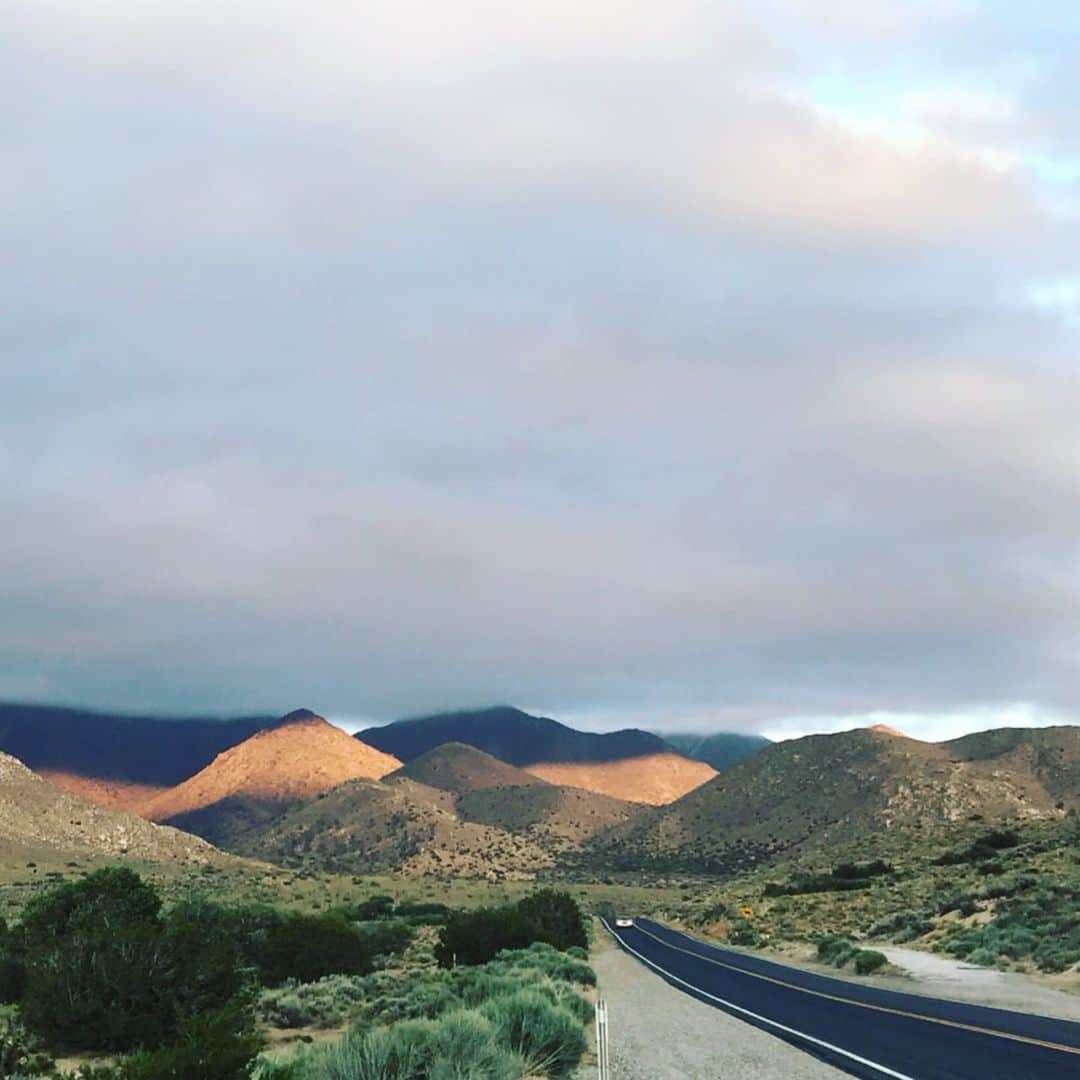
(763, 1019)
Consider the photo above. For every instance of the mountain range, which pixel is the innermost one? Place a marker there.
(871, 788)
(628, 764)
(116, 759)
(299, 791)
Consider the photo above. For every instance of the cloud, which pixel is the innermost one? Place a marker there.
(399, 358)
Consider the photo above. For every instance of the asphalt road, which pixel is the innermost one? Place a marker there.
(864, 1030)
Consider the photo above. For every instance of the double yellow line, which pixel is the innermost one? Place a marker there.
(1030, 1040)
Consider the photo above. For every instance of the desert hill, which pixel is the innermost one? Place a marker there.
(490, 792)
(117, 760)
(653, 778)
(721, 750)
(365, 826)
(510, 735)
(298, 758)
(830, 792)
(459, 768)
(454, 811)
(40, 820)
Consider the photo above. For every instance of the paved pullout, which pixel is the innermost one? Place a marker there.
(865, 1030)
(659, 1033)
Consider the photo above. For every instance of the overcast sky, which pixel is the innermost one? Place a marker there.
(675, 364)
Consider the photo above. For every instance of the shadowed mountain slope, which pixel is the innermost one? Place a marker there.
(300, 757)
(39, 820)
(142, 750)
(458, 768)
(831, 792)
(721, 750)
(510, 735)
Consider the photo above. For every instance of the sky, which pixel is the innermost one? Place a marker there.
(709, 365)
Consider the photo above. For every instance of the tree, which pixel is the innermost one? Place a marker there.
(105, 970)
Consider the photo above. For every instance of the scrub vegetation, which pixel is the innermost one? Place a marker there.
(191, 990)
(1001, 897)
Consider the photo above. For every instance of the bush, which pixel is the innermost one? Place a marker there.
(21, 1053)
(835, 949)
(309, 947)
(221, 1045)
(475, 937)
(460, 1046)
(93, 952)
(869, 960)
(983, 848)
(376, 907)
(106, 971)
(547, 1036)
(903, 926)
(385, 937)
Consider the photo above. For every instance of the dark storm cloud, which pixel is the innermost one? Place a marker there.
(395, 362)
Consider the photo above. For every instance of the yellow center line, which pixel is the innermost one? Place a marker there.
(864, 1004)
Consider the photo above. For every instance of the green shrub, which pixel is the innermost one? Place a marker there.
(104, 969)
(869, 960)
(548, 1037)
(376, 907)
(474, 937)
(835, 949)
(308, 947)
(21, 1053)
(461, 1045)
(903, 926)
(385, 937)
(220, 1045)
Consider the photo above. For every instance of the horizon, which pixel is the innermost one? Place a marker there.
(926, 729)
(720, 373)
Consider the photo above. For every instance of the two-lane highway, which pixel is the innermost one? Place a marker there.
(864, 1029)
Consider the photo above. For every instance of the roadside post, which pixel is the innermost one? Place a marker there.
(602, 1066)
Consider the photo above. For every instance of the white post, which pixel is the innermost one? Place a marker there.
(602, 1064)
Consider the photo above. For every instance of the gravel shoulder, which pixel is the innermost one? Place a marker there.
(660, 1033)
(941, 976)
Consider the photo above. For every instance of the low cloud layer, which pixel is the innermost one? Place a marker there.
(383, 360)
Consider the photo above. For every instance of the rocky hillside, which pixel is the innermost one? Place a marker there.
(39, 821)
(365, 826)
(859, 790)
(300, 757)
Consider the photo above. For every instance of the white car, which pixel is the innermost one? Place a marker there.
(623, 922)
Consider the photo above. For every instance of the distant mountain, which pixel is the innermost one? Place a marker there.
(720, 750)
(857, 789)
(101, 755)
(39, 822)
(654, 778)
(458, 768)
(299, 757)
(512, 736)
